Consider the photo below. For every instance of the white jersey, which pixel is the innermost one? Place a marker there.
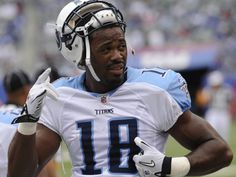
(7, 113)
(6, 134)
(99, 129)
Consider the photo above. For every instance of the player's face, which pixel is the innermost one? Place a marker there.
(108, 55)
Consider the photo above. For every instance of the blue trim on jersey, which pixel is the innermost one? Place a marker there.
(168, 80)
(8, 116)
(72, 82)
(77, 82)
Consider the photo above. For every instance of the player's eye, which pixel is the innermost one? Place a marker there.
(105, 49)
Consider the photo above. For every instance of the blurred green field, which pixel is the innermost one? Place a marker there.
(174, 149)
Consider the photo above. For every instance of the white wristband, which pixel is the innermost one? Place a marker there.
(180, 166)
(27, 128)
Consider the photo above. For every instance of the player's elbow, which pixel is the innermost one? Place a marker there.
(227, 155)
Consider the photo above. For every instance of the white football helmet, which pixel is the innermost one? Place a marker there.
(76, 21)
(215, 78)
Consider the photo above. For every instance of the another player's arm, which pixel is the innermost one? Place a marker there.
(209, 152)
(29, 153)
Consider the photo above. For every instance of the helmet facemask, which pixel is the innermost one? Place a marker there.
(83, 20)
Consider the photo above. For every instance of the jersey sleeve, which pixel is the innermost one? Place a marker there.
(170, 81)
(161, 108)
(169, 114)
(50, 116)
(52, 111)
(178, 89)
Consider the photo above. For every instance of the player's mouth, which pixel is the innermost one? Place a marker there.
(116, 69)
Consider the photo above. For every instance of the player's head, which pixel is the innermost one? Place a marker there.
(77, 21)
(17, 85)
(215, 79)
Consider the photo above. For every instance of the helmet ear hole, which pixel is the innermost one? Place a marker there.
(73, 52)
(69, 46)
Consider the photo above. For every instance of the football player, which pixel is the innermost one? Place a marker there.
(114, 119)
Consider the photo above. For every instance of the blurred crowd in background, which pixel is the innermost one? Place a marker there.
(189, 36)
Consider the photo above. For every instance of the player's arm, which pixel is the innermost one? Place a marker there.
(209, 152)
(46, 153)
(29, 153)
(33, 144)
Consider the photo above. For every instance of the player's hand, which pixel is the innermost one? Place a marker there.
(33, 106)
(149, 163)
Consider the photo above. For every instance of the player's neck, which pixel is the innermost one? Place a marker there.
(96, 87)
(91, 85)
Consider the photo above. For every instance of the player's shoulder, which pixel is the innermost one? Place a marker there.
(7, 107)
(160, 77)
(8, 112)
(170, 81)
(71, 82)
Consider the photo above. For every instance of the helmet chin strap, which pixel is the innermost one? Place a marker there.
(88, 59)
